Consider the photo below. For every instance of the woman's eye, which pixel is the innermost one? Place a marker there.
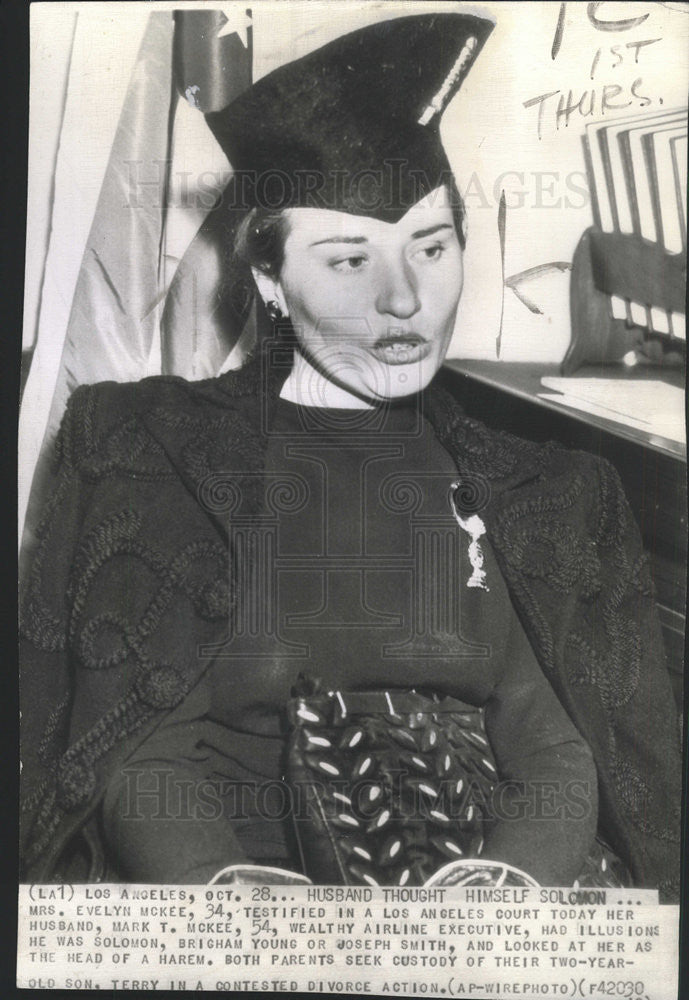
(433, 252)
(348, 264)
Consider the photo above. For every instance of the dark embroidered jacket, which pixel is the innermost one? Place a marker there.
(130, 587)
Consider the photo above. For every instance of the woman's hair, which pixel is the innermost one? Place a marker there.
(260, 238)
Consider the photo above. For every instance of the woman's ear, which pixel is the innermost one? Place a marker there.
(270, 290)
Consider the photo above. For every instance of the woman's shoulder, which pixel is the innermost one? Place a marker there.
(126, 396)
(102, 407)
(499, 454)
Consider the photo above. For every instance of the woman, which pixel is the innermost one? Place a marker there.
(162, 678)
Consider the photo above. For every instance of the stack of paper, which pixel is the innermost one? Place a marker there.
(646, 404)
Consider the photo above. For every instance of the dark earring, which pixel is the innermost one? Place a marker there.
(274, 310)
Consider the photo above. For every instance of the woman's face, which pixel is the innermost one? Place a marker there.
(372, 303)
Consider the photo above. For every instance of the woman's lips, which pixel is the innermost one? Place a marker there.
(401, 349)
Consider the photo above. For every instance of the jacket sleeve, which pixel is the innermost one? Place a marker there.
(45, 681)
(168, 813)
(118, 602)
(164, 822)
(581, 581)
(545, 805)
(619, 647)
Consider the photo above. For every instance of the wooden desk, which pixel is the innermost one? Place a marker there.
(653, 469)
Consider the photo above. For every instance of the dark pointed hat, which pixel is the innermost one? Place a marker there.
(353, 126)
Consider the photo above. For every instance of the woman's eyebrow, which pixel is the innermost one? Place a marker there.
(363, 239)
(341, 239)
(433, 229)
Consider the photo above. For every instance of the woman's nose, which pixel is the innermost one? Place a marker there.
(398, 294)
